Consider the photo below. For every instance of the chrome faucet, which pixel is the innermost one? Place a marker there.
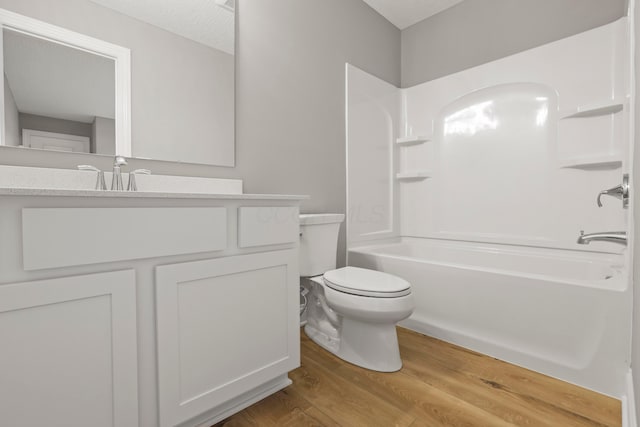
(619, 237)
(620, 192)
(100, 184)
(116, 179)
(133, 186)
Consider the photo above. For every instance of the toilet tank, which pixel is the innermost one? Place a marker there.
(318, 243)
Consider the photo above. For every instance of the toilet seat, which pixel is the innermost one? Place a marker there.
(366, 283)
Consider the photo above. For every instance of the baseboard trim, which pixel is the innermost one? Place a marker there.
(241, 402)
(629, 418)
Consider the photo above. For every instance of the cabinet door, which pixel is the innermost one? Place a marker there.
(225, 326)
(68, 354)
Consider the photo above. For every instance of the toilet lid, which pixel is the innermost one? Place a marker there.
(364, 282)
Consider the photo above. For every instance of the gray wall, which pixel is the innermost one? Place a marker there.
(11, 120)
(291, 92)
(478, 31)
(50, 124)
(103, 135)
(183, 103)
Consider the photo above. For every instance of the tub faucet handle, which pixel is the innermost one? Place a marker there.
(619, 192)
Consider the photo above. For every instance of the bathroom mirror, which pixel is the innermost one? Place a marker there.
(62, 88)
(57, 97)
(71, 92)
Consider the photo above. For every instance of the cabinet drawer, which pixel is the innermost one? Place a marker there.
(261, 226)
(62, 237)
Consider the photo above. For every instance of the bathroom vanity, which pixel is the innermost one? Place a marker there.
(144, 309)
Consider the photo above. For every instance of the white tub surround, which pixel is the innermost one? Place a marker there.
(512, 155)
(154, 291)
(373, 122)
(514, 151)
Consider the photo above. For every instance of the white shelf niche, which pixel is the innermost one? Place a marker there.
(593, 162)
(417, 175)
(412, 140)
(595, 109)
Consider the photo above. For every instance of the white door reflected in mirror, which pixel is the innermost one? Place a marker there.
(55, 141)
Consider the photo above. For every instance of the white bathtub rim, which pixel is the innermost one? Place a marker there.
(482, 245)
(528, 243)
(617, 282)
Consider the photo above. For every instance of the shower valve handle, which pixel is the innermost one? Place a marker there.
(619, 192)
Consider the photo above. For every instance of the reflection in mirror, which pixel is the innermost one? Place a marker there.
(192, 84)
(68, 91)
(57, 97)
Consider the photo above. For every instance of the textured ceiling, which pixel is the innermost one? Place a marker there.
(200, 20)
(404, 13)
(52, 80)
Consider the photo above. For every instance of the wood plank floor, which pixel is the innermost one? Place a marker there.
(440, 384)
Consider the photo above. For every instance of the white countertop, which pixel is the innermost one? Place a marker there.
(30, 181)
(142, 194)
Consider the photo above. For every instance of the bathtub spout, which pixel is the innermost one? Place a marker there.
(619, 237)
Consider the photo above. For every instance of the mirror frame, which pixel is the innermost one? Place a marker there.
(120, 55)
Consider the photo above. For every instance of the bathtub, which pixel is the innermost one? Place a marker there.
(563, 313)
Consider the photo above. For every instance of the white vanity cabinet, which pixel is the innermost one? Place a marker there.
(144, 309)
(224, 328)
(69, 351)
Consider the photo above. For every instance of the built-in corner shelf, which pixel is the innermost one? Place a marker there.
(595, 109)
(418, 175)
(412, 140)
(593, 162)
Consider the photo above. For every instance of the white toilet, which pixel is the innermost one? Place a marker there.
(352, 312)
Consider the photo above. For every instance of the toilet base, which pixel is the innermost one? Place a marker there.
(371, 346)
(331, 344)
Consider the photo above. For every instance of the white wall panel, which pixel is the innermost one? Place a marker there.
(373, 108)
(512, 184)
